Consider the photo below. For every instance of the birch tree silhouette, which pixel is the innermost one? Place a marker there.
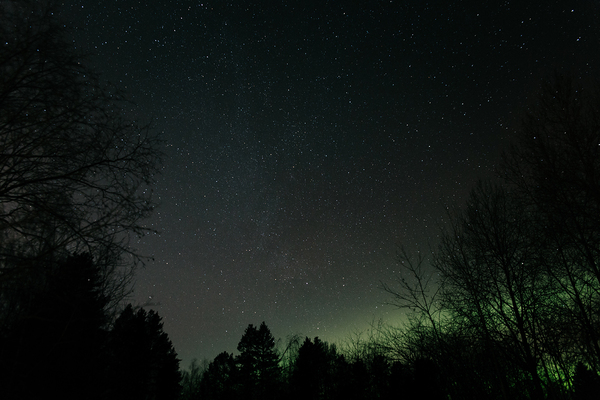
(75, 171)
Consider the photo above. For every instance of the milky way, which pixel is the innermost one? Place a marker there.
(305, 140)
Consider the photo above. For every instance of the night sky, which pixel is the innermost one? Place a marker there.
(305, 140)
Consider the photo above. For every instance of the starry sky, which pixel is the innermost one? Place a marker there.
(306, 140)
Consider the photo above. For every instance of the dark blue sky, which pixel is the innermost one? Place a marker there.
(306, 140)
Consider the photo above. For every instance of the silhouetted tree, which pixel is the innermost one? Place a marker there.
(358, 380)
(312, 370)
(143, 363)
(74, 170)
(555, 167)
(432, 332)
(517, 303)
(417, 289)
(260, 374)
(191, 380)
(494, 283)
(59, 334)
(288, 357)
(351, 379)
(74, 179)
(220, 380)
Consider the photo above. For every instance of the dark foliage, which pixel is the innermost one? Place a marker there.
(428, 380)
(54, 344)
(586, 384)
(191, 382)
(320, 372)
(259, 371)
(352, 378)
(220, 380)
(60, 342)
(142, 362)
(312, 373)
(401, 382)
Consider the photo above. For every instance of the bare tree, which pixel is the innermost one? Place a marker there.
(520, 264)
(191, 379)
(417, 289)
(555, 167)
(75, 172)
(496, 284)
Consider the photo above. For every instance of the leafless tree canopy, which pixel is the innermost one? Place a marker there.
(515, 281)
(75, 172)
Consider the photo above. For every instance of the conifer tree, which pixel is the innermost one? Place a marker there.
(143, 362)
(258, 363)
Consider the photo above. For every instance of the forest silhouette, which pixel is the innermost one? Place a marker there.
(506, 307)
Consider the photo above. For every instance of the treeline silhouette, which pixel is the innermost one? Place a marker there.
(506, 307)
(309, 369)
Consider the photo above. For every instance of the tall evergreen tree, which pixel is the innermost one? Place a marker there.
(260, 374)
(143, 363)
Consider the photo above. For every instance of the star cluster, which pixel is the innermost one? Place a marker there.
(305, 140)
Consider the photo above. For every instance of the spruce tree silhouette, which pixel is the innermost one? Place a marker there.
(260, 374)
(143, 363)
